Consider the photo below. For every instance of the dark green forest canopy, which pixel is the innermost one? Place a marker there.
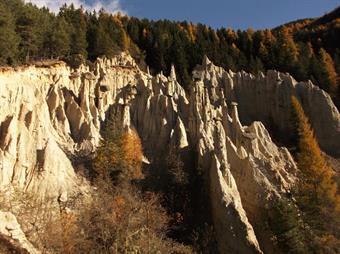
(307, 49)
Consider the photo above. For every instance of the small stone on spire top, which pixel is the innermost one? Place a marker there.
(173, 72)
(206, 60)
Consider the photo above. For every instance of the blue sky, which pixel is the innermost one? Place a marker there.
(237, 14)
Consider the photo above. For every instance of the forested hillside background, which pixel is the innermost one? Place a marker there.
(307, 49)
(172, 205)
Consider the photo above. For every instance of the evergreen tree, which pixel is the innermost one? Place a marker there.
(78, 38)
(59, 39)
(77, 29)
(181, 64)
(14, 6)
(286, 224)
(27, 27)
(133, 28)
(100, 35)
(9, 40)
(104, 45)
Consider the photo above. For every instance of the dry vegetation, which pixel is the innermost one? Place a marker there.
(117, 218)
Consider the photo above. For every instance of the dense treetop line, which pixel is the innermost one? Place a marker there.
(308, 49)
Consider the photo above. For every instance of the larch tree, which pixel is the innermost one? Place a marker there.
(119, 157)
(263, 52)
(123, 40)
(329, 76)
(304, 61)
(317, 191)
(132, 154)
(192, 32)
(287, 50)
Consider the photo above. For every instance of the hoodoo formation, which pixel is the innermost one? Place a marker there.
(52, 114)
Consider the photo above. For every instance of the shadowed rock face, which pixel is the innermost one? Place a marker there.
(50, 114)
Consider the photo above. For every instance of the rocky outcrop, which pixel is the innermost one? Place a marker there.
(12, 235)
(50, 115)
(267, 98)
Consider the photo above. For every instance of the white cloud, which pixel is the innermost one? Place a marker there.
(54, 5)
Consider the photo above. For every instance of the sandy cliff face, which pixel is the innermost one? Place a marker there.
(51, 114)
(267, 98)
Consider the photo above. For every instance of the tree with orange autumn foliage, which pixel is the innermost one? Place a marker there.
(192, 32)
(65, 237)
(119, 157)
(328, 73)
(317, 193)
(132, 153)
(308, 222)
(124, 42)
(118, 217)
(121, 218)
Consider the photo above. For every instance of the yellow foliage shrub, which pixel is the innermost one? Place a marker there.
(121, 157)
(132, 153)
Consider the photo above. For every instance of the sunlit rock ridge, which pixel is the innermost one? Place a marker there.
(51, 114)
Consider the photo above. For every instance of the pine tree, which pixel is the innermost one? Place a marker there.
(9, 40)
(27, 28)
(100, 35)
(78, 39)
(77, 29)
(178, 57)
(59, 39)
(286, 224)
(133, 29)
